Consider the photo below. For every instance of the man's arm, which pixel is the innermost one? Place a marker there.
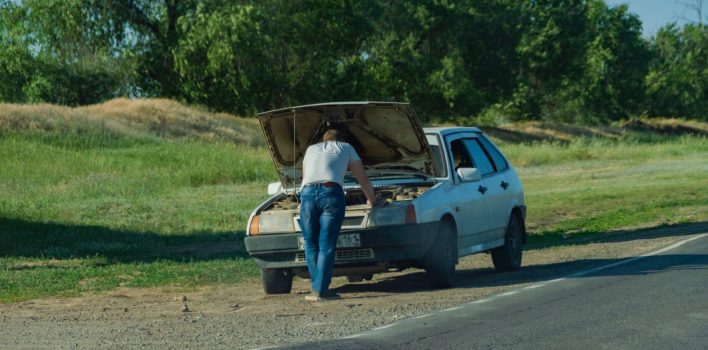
(302, 177)
(357, 169)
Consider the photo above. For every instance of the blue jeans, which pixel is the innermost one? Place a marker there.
(321, 216)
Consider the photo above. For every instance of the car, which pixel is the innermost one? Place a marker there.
(450, 193)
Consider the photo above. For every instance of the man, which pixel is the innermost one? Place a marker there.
(322, 205)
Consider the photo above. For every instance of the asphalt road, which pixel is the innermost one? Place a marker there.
(654, 302)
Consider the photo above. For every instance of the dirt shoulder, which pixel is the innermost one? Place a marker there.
(242, 316)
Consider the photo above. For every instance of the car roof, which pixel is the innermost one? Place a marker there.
(447, 130)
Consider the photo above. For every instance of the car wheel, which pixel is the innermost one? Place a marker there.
(508, 257)
(277, 281)
(441, 259)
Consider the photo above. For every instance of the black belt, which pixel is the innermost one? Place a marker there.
(323, 184)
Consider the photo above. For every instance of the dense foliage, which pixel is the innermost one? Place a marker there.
(569, 60)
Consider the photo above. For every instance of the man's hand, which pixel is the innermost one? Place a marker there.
(378, 203)
(357, 169)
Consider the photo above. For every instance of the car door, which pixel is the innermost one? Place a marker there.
(470, 202)
(494, 190)
(502, 182)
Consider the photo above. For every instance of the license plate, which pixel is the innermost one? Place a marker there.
(347, 240)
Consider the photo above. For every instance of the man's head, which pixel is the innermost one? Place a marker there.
(333, 135)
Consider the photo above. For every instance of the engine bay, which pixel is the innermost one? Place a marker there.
(390, 194)
(355, 196)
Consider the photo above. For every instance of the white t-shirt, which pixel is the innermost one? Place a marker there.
(327, 161)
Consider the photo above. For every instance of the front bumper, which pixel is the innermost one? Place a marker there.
(383, 244)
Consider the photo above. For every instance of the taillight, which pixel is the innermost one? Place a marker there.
(410, 215)
(253, 230)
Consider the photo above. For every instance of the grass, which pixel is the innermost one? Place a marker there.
(95, 198)
(152, 193)
(124, 216)
(598, 186)
(123, 122)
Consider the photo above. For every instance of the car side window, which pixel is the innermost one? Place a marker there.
(481, 160)
(460, 156)
(499, 162)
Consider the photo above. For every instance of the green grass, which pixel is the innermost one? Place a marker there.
(23, 279)
(83, 209)
(594, 186)
(126, 213)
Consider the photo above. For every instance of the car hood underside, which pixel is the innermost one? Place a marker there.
(387, 136)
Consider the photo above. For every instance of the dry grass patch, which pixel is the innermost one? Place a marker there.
(670, 126)
(526, 132)
(155, 118)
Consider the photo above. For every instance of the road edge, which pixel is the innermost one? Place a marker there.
(532, 286)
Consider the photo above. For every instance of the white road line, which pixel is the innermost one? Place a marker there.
(629, 260)
(480, 301)
(352, 336)
(554, 280)
(384, 327)
(452, 309)
(544, 283)
(508, 293)
(621, 262)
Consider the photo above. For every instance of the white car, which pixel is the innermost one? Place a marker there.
(450, 193)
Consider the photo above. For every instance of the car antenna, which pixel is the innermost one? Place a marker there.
(297, 200)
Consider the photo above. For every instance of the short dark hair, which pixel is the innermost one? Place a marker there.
(333, 135)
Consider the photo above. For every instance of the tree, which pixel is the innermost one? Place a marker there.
(616, 63)
(551, 51)
(152, 33)
(677, 82)
(17, 65)
(450, 58)
(569, 60)
(269, 54)
(695, 6)
(57, 51)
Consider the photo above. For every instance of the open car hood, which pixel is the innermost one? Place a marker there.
(387, 136)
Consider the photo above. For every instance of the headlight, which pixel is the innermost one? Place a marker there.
(393, 214)
(270, 222)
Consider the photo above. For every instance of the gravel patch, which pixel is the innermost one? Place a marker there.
(241, 316)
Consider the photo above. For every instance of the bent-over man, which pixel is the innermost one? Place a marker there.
(322, 205)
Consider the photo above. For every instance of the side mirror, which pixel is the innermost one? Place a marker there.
(469, 174)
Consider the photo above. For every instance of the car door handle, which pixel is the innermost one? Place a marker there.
(482, 189)
(504, 184)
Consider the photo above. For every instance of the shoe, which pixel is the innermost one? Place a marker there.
(313, 297)
(327, 296)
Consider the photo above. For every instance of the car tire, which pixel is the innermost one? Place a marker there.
(441, 259)
(277, 281)
(508, 257)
